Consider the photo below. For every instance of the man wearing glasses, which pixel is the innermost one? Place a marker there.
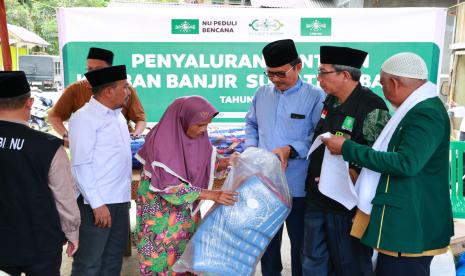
(355, 112)
(282, 119)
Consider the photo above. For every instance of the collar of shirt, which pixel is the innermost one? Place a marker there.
(15, 121)
(102, 109)
(291, 90)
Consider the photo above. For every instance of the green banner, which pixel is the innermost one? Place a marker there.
(226, 73)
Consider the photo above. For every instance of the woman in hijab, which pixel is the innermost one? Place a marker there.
(179, 163)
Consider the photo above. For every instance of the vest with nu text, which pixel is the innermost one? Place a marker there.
(29, 224)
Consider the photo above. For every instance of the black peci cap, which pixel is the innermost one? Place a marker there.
(106, 75)
(13, 84)
(101, 54)
(279, 53)
(342, 56)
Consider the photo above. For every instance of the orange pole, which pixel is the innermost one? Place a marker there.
(6, 54)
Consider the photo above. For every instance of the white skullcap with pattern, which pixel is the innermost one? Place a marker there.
(408, 65)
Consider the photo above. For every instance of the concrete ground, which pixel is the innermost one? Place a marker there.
(130, 264)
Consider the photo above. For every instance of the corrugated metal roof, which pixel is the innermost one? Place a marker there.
(234, 3)
(294, 3)
(23, 36)
(180, 3)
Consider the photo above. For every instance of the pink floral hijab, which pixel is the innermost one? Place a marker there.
(168, 143)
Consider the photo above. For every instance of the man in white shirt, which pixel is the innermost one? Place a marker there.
(101, 164)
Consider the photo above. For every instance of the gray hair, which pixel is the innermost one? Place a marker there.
(15, 102)
(355, 73)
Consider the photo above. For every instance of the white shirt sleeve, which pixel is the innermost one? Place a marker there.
(82, 139)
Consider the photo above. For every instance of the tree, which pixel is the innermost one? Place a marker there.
(39, 16)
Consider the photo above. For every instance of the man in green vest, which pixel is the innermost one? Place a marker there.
(404, 183)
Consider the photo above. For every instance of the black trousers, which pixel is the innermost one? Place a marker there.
(49, 267)
(403, 266)
(329, 249)
(101, 250)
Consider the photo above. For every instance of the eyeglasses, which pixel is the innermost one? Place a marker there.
(326, 72)
(279, 74)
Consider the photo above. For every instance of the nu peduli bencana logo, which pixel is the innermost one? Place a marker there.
(316, 26)
(184, 26)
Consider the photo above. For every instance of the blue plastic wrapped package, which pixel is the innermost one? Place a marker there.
(248, 228)
(461, 265)
(136, 144)
(231, 239)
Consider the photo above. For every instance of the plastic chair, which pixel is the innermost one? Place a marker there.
(457, 149)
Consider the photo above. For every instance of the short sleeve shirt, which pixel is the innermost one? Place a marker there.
(79, 93)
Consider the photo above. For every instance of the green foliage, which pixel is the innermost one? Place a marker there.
(39, 16)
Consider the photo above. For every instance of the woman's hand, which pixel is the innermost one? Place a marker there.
(234, 159)
(223, 164)
(218, 196)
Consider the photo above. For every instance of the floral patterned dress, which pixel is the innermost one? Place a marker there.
(164, 226)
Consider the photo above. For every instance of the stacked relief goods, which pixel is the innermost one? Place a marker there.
(227, 139)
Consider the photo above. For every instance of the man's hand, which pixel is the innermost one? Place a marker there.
(334, 143)
(139, 128)
(66, 141)
(283, 155)
(57, 124)
(353, 175)
(72, 248)
(102, 217)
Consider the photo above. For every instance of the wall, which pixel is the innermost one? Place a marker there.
(407, 3)
(14, 59)
(446, 60)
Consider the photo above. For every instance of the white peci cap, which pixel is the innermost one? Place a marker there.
(408, 65)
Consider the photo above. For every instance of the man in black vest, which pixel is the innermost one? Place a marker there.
(355, 112)
(38, 210)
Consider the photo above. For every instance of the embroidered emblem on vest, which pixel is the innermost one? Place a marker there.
(348, 123)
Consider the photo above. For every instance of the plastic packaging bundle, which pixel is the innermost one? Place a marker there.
(231, 239)
(136, 144)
